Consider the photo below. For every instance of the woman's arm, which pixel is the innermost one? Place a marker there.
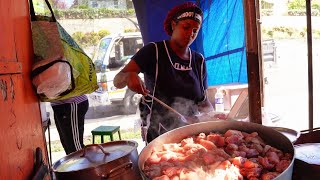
(128, 76)
(121, 79)
(205, 106)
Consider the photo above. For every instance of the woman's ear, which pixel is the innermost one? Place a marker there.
(173, 25)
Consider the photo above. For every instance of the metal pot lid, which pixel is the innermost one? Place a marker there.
(308, 153)
(94, 155)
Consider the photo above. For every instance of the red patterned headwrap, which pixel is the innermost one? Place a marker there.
(187, 10)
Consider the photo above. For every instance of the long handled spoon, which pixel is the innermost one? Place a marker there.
(168, 107)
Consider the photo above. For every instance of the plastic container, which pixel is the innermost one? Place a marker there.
(219, 101)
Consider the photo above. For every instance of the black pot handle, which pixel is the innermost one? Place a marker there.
(285, 131)
(120, 169)
(99, 146)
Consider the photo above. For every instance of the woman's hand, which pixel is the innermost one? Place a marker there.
(135, 83)
(188, 120)
(192, 119)
(213, 116)
(128, 76)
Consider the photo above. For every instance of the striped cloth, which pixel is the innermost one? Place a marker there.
(76, 99)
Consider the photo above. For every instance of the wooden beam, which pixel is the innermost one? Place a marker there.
(10, 67)
(254, 62)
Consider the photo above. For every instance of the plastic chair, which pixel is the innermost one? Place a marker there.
(105, 131)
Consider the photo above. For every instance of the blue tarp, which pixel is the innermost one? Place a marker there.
(221, 39)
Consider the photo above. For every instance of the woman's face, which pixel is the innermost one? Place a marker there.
(185, 32)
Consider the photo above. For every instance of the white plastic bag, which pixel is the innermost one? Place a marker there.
(54, 80)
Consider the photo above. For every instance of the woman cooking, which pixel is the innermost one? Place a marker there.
(173, 73)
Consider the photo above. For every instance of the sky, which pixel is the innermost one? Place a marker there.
(68, 2)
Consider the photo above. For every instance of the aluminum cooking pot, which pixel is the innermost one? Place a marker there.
(112, 160)
(269, 135)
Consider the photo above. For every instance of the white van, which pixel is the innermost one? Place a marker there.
(112, 53)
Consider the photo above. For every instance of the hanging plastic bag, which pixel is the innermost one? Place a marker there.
(53, 81)
(52, 45)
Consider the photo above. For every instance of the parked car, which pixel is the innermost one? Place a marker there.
(113, 52)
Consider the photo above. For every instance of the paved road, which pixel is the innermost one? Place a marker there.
(101, 112)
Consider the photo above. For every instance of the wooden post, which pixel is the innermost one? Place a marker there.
(254, 62)
(310, 69)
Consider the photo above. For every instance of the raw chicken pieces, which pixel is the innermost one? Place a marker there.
(234, 155)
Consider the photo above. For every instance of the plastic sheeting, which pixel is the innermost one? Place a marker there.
(221, 39)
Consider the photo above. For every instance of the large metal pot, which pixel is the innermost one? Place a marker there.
(112, 160)
(269, 135)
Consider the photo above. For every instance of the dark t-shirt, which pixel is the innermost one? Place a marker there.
(179, 88)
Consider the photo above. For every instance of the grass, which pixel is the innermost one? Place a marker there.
(56, 146)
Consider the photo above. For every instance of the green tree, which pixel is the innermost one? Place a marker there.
(297, 4)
